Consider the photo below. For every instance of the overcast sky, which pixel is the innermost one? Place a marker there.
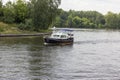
(102, 6)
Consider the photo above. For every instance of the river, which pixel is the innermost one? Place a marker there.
(95, 55)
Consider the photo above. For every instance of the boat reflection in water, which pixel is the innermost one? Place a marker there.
(60, 37)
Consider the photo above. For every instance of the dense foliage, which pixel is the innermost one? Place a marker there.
(87, 19)
(30, 15)
(39, 15)
(80, 19)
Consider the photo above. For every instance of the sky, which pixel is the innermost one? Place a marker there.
(102, 6)
(4, 1)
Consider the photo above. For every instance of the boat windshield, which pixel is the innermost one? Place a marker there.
(56, 36)
(63, 36)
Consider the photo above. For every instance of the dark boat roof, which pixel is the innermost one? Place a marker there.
(66, 30)
(62, 29)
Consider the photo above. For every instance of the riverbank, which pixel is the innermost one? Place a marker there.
(23, 35)
(11, 30)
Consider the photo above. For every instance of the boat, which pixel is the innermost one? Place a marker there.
(60, 36)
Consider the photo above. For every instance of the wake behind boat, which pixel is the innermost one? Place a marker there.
(60, 36)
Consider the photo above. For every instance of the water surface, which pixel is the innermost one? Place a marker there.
(95, 55)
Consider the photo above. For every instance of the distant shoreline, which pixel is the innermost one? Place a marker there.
(23, 35)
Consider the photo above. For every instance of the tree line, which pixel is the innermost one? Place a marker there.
(30, 15)
(39, 15)
(87, 19)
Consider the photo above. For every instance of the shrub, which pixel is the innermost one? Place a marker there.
(26, 26)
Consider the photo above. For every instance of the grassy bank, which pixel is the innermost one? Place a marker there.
(13, 29)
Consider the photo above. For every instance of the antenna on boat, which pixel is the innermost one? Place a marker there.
(54, 27)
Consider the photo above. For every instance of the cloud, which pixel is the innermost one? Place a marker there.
(4, 1)
(102, 6)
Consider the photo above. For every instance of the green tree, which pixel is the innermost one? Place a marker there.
(1, 11)
(9, 14)
(44, 13)
(77, 22)
(94, 16)
(112, 20)
(21, 9)
(86, 19)
(82, 23)
(70, 20)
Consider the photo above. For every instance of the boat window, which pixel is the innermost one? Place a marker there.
(63, 36)
(55, 35)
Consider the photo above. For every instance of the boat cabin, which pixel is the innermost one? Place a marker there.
(61, 34)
